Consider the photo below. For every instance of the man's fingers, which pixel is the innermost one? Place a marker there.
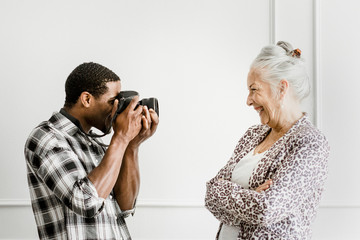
(154, 119)
(115, 106)
(133, 104)
(145, 123)
(147, 114)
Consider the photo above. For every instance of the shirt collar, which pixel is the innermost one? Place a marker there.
(73, 128)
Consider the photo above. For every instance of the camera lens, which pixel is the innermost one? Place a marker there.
(125, 98)
(150, 103)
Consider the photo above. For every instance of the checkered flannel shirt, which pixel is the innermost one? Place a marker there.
(65, 203)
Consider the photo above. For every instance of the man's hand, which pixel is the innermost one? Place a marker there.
(150, 121)
(127, 185)
(127, 124)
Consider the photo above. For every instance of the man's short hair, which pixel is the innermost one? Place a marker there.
(87, 77)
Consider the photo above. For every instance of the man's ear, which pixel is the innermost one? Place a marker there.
(283, 88)
(85, 99)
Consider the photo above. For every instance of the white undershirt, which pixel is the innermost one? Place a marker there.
(241, 175)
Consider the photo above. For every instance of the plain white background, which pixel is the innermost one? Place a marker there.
(194, 57)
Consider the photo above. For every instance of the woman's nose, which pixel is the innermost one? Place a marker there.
(249, 100)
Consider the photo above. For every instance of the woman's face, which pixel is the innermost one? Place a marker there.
(262, 98)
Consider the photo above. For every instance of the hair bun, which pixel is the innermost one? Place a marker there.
(286, 46)
(296, 53)
(282, 61)
(290, 51)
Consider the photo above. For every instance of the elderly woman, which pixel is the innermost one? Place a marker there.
(271, 186)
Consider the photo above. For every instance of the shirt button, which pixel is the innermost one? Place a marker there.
(111, 197)
(89, 143)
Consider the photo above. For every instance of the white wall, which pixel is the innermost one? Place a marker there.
(193, 56)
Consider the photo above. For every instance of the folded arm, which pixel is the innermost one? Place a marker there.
(299, 175)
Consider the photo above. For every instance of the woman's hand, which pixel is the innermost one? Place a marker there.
(260, 188)
(264, 186)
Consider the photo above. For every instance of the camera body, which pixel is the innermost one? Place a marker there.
(125, 98)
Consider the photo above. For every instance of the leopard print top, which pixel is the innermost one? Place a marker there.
(298, 165)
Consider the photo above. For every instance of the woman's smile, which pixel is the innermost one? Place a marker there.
(259, 109)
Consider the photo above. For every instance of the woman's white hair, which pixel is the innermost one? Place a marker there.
(281, 61)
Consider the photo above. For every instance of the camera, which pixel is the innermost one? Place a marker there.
(125, 98)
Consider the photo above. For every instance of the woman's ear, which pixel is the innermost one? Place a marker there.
(85, 99)
(283, 88)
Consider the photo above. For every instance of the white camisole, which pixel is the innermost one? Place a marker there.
(241, 175)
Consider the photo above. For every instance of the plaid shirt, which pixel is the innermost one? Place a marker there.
(65, 203)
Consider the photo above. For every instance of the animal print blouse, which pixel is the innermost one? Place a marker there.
(297, 164)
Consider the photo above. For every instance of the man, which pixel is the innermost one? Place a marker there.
(80, 189)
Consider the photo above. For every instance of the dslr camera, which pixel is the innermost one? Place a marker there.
(125, 98)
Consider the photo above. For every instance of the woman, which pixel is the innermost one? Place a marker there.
(271, 186)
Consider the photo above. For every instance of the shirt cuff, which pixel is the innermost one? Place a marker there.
(88, 198)
(129, 212)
